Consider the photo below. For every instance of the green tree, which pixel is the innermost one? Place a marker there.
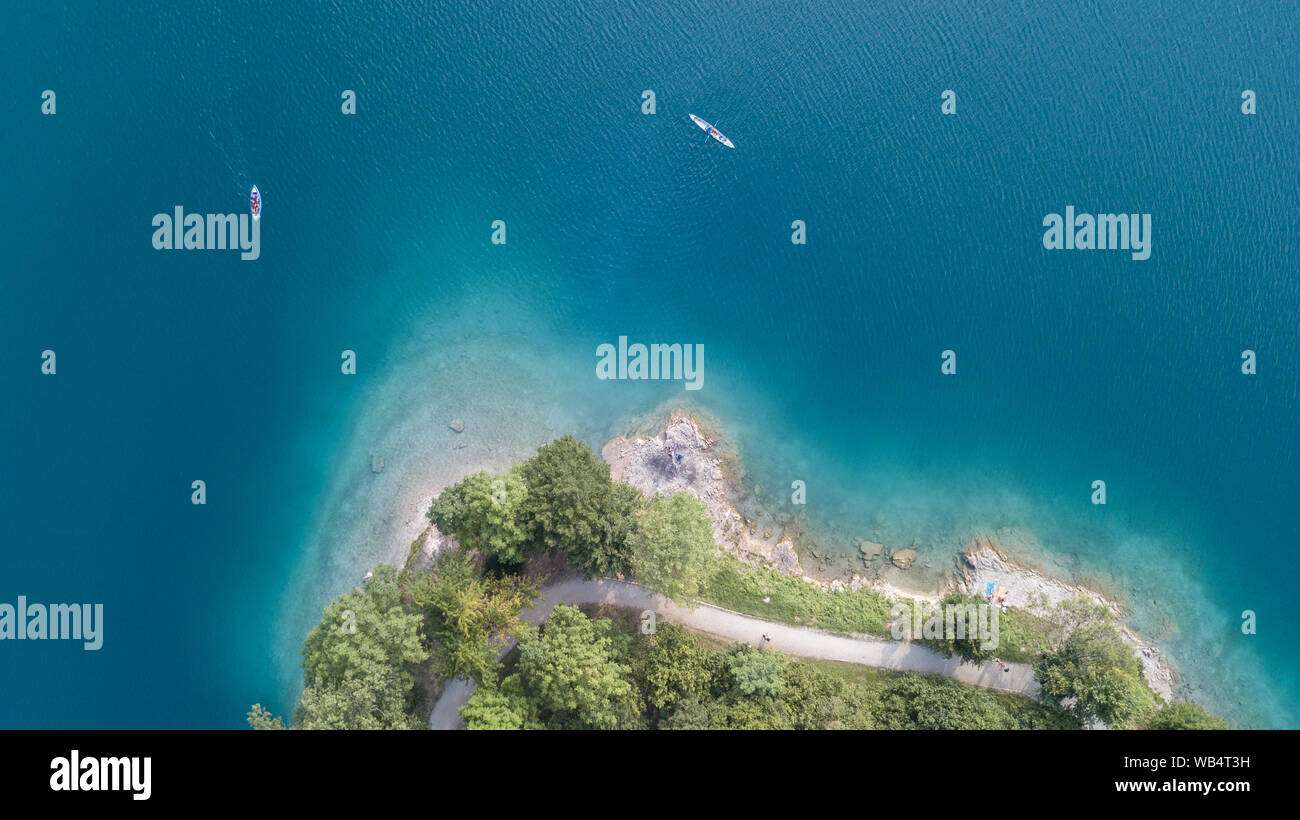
(363, 634)
(966, 612)
(572, 505)
(1100, 671)
(377, 700)
(770, 691)
(482, 511)
(569, 671)
(259, 717)
(814, 700)
(696, 712)
(672, 546)
(450, 509)
(469, 617)
(915, 701)
(756, 673)
(671, 665)
(505, 707)
(1185, 715)
(934, 702)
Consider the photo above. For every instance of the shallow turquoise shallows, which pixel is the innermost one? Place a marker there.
(822, 361)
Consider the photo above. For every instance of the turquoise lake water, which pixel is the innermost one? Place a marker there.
(821, 360)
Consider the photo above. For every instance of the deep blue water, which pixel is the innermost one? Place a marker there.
(822, 360)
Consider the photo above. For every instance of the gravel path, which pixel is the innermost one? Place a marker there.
(792, 640)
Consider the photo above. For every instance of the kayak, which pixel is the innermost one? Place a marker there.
(713, 132)
(255, 203)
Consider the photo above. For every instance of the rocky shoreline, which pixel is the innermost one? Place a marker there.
(684, 455)
(983, 563)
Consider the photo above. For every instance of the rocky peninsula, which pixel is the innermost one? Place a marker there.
(685, 456)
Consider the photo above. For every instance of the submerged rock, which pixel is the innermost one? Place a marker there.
(903, 558)
(870, 549)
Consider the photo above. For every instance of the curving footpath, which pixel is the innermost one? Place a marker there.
(792, 640)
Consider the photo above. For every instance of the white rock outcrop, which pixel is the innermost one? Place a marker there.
(684, 458)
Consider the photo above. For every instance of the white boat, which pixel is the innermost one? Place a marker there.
(713, 131)
(255, 203)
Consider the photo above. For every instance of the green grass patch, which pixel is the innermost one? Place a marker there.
(1023, 636)
(854, 673)
(741, 587)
